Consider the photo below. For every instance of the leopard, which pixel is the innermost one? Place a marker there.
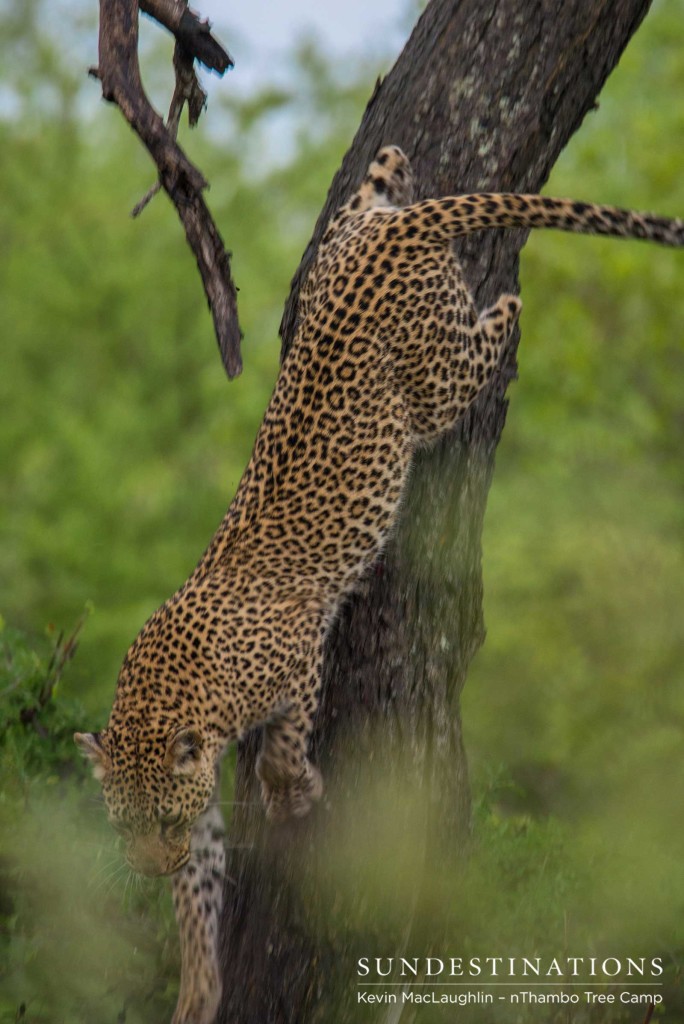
(389, 353)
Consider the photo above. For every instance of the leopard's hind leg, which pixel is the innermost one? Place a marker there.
(444, 353)
(479, 357)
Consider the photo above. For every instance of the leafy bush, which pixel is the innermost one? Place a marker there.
(77, 942)
(37, 721)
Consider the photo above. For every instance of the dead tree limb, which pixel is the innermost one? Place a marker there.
(484, 97)
(190, 31)
(187, 91)
(119, 73)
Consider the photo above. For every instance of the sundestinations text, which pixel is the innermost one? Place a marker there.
(509, 967)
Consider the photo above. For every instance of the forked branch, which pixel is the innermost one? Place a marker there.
(119, 73)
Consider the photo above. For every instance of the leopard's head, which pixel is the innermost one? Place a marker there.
(155, 783)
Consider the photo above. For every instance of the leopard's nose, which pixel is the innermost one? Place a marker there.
(145, 866)
(144, 856)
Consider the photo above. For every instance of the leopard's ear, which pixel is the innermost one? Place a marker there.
(184, 751)
(90, 744)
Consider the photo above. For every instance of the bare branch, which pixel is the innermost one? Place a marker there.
(192, 33)
(119, 73)
(187, 90)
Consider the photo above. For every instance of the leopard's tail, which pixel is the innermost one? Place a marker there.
(462, 215)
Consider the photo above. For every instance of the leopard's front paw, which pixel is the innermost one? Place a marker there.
(198, 1002)
(191, 1011)
(289, 798)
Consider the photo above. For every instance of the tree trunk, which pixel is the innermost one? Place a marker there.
(484, 97)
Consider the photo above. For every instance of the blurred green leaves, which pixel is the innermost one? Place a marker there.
(36, 722)
(577, 693)
(77, 934)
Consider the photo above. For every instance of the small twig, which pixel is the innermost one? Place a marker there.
(188, 89)
(62, 652)
(150, 194)
(649, 1013)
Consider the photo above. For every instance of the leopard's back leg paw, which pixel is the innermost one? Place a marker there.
(498, 321)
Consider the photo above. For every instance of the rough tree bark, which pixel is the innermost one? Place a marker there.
(484, 97)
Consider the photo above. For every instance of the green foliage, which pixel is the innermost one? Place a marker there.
(579, 681)
(530, 886)
(36, 722)
(576, 693)
(55, 850)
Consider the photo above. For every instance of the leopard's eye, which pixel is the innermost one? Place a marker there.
(123, 828)
(170, 822)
